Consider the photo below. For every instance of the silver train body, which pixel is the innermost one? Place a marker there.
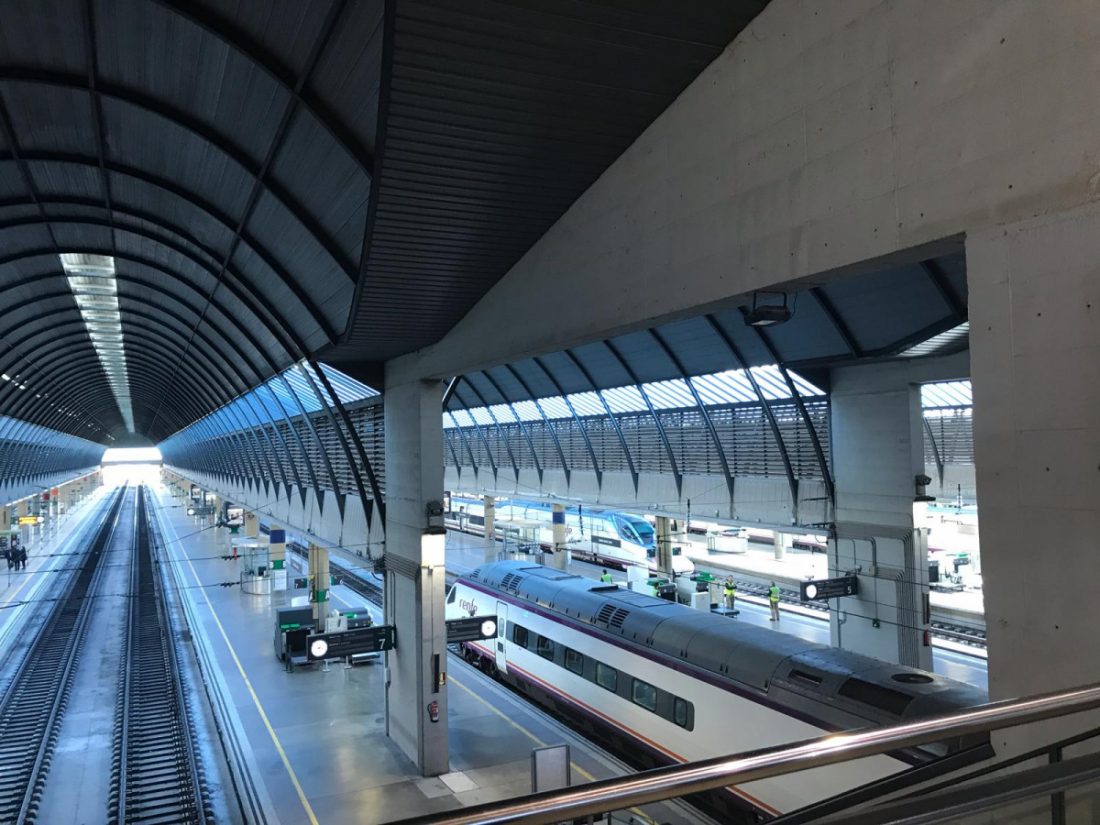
(673, 684)
(611, 537)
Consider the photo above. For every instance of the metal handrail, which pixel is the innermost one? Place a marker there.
(718, 772)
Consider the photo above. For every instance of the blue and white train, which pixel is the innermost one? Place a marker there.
(609, 537)
(662, 683)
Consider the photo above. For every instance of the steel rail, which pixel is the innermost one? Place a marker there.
(710, 774)
(155, 772)
(34, 703)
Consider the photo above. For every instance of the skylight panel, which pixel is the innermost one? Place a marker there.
(555, 407)
(528, 411)
(586, 403)
(952, 339)
(666, 395)
(481, 416)
(624, 399)
(92, 281)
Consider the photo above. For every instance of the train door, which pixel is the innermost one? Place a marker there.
(502, 637)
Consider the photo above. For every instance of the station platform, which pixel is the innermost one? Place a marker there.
(314, 740)
(798, 564)
(50, 552)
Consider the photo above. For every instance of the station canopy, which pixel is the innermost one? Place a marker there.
(195, 196)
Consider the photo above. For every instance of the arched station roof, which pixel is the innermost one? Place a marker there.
(220, 155)
(217, 159)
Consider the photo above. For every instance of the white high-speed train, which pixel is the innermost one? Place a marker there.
(662, 683)
(609, 537)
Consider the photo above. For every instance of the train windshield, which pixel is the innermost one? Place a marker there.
(638, 531)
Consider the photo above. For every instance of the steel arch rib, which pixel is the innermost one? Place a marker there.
(607, 409)
(372, 479)
(315, 314)
(826, 475)
(576, 418)
(699, 403)
(792, 481)
(519, 422)
(185, 121)
(669, 452)
(546, 421)
(500, 430)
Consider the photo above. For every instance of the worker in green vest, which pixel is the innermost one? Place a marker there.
(729, 590)
(773, 601)
(606, 578)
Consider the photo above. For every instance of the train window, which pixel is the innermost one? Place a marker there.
(877, 696)
(544, 647)
(519, 635)
(680, 712)
(451, 595)
(607, 677)
(574, 661)
(644, 694)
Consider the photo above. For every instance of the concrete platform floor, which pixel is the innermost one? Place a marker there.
(316, 740)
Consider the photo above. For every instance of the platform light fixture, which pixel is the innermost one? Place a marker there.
(767, 315)
(92, 281)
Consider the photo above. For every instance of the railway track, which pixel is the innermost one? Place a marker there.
(34, 703)
(155, 772)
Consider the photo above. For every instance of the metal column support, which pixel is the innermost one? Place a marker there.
(519, 422)
(702, 408)
(669, 452)
(500, 430)
(610, 415)
(546, 421)
(372, 479)
(768, 413)
(826, 475)
(935, 448)
(484, 440)
(576, 419)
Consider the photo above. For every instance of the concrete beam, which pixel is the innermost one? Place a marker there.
(813, 143)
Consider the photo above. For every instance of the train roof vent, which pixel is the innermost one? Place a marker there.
(511, 582)
(612, 616)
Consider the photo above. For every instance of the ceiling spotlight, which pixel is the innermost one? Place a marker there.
(766, 315)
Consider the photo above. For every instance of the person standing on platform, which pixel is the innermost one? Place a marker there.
(729, 591)
(606, 578)
(22, 557)
(773, 601)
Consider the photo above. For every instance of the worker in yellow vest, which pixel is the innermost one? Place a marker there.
(773, 601)
(729, 591)
(606, 578)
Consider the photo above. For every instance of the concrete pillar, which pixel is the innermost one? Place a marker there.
(415, 575)
(320, 580)
(251, 524)
(664, 546)
(780, 543)
(878, 449)
(490, 509)
(1035, 357)
(560, 557)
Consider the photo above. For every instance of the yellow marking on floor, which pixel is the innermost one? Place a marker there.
(576, 768)
(255, 699)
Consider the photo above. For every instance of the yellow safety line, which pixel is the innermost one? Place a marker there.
(255, 699)
(452, 680)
